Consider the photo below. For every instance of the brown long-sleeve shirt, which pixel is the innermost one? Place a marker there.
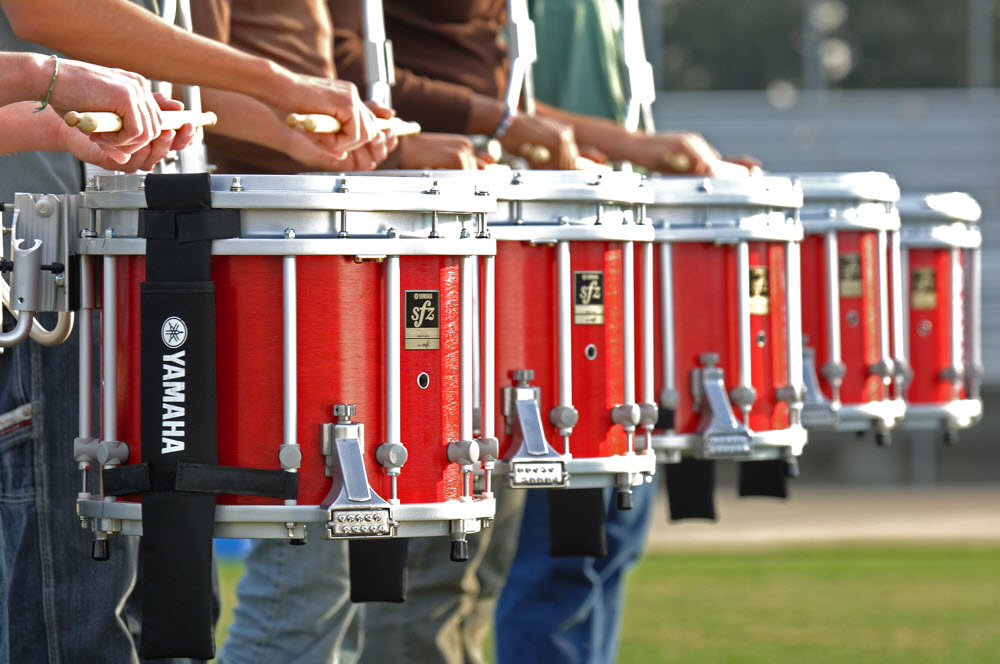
(444, 50)
(297, 34)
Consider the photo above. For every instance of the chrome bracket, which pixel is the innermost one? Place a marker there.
(817, 410)
(353, 508)
(724, 436)
(535, 463)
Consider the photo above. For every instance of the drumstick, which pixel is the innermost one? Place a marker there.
(95, 121)
(681, 163)
(318, 123)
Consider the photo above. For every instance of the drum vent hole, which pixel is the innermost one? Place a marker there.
(761, 338)
(590, 352)
(852, 318)
(423, 380)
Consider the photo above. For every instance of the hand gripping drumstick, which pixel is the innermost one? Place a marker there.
(94, 121)
(327, 124)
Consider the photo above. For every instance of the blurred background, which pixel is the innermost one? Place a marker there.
(908, 87)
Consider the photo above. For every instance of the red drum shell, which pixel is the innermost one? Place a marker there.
(341, 359)
(860, 317)
(706, 321)
(527, 337)
(930, 332)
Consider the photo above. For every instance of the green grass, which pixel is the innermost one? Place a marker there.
(858, 604)
(846, 604)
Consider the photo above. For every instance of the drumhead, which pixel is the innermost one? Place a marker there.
(939, 207)
(859, 186)
(763, 191)
(946, 219)
(849, 201)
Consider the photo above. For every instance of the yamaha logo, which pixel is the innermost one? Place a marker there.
(174, 332)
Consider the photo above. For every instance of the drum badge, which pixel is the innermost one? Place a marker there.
(923, 289)
(422, 330)
(173, 332)
(850, 275)
(588, 298)
(760, 292)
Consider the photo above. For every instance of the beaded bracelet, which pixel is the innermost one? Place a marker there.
(48, 95)
(509, 115)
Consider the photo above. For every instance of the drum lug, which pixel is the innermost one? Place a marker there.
(355, 510)
(521, 390)
(817, 410)
(535, 463)
(723, 435)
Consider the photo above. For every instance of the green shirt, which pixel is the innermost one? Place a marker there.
(579, 56)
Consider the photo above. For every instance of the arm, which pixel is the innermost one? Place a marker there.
(144, 43)
(47, 131)
(655, 152)
(247, 119)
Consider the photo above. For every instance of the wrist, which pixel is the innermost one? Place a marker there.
(26, 77)
(485, 114)
(276, 85)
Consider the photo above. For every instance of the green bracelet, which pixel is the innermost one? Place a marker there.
(55, 72)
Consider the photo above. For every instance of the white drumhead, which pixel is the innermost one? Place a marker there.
(939, 207)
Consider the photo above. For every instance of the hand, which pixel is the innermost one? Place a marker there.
(556, 137)
(679, 153)
(85, 149)
(82, 86)
(436, 151)
(312, 94)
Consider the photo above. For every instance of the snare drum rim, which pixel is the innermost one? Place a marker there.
(351, 192)
(943, 219)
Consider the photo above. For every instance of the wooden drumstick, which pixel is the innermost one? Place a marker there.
(539, 154)
(679, 162)
(95, 121)
(318, 123)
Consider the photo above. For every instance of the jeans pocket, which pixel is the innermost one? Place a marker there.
(17, 473)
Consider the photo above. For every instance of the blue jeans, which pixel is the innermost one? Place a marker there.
(293, 605)
(56, 603)
(583, 625)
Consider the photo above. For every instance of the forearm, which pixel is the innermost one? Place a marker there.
(24, 77)
(143, 43)
(245, 119)
(606, 135)
(35, 131)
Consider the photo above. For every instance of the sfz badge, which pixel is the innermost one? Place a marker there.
(422, 315)
(588, 298)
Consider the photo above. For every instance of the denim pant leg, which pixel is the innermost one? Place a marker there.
(583, 625)
(293, 605)
(449, 607)
(60, 605)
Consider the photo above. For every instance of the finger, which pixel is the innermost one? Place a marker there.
(183, 137)
(381, 112)
(166, 103)
(159, 148)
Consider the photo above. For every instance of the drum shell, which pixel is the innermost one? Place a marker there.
(929, 331)
(706, 320)
(859, 311)
(341, 359)
(527, 337)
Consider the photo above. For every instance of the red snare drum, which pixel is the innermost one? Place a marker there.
(726, 329)
(941, 263)
(348, 295)
(565, 340)
(851, 228)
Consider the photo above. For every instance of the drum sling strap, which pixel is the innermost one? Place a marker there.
(691, 489)
(179, 475)
(577, 523)
(764, 478)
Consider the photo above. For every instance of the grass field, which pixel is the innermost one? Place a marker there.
(843, 604)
